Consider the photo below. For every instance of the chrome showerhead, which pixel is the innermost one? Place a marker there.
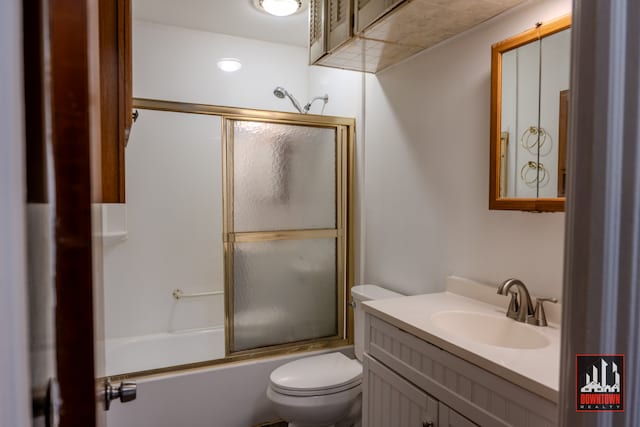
(279, 92)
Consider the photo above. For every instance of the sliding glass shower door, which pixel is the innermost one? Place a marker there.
(235, 241)
(284, 239)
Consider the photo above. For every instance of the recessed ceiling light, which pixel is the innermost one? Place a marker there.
(280, 7)
(229, 64)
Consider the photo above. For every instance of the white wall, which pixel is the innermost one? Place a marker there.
(178, 64)
(427, 172)
(15, 405)
(346, 99)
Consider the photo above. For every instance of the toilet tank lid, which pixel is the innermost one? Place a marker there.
(372, 292)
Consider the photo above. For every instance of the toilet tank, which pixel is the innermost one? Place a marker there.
(359, 294)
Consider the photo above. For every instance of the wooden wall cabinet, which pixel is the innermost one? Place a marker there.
(371, 35)
(339, 22)
(317, 36)
(369, 11)
(330, 25)
(116, 95)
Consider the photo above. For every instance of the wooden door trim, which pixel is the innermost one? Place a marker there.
(115, 64)
(71, 101)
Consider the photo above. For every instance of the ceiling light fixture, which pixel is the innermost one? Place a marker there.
(280, 7)
(229, 64)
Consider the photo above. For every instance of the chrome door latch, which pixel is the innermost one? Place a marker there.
(46, 403)
(126, 392)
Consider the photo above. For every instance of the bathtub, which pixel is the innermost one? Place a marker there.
(141, 353)
(229, 395)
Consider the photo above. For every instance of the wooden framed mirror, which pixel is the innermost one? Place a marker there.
(529, 112)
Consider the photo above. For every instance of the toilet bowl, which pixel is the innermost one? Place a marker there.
(325, 390)
(316, 391)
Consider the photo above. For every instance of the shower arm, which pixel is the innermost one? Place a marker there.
(295, 102)
(307, 107)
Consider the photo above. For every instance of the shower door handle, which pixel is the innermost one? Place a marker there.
(126, 392)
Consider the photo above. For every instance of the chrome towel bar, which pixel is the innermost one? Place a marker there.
(179, 293)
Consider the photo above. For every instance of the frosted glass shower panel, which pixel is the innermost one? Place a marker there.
(284, 176)
(284, 291)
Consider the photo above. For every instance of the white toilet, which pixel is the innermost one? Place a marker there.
(324, 390)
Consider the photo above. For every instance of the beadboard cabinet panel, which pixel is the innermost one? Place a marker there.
(390, 401)
(476, 394)
(447, 417)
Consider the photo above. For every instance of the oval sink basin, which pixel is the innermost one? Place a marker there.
(484, 328)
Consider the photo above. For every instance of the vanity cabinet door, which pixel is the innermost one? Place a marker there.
(390, 401)
(447, 417)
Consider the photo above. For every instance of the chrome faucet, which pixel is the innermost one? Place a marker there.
(520, 307)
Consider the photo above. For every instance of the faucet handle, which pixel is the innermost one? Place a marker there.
(539, 317)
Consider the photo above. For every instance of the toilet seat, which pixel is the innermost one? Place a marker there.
(317, 375)
(317, 392)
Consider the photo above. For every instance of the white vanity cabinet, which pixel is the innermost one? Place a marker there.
(410, 382)
(447, 417)
(389, 400)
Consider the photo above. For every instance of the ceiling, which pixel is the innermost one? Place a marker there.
(234, 17)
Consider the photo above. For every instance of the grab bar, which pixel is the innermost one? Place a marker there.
(179, 293)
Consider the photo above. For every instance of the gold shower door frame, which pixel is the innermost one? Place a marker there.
(338, 233)
(345, 177)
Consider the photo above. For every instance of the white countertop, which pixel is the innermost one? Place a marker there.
(536, 370)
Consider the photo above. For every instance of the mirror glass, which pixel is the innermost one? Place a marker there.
(531, 74)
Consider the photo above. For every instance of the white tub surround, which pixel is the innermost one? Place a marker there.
(155, 351)
(534, 369)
